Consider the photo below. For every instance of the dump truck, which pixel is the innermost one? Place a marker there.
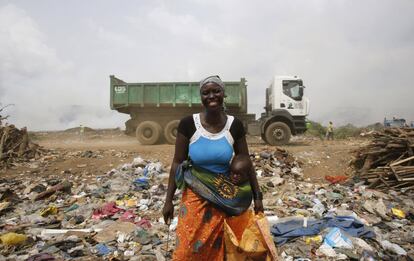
(156, 108)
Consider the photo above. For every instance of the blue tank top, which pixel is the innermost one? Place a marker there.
(212, 151)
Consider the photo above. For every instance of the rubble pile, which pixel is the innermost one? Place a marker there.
(16, 146)
(80, 217)
(388, 161)
(117, 215)
(337, 222)
(276, 163)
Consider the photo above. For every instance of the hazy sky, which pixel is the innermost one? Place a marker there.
(356, 57)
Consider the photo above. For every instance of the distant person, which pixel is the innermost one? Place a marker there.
(329, 131)
(81, 132)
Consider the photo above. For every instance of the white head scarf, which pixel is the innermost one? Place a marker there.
(212, 79)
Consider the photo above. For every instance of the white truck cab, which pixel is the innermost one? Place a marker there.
(285, 111)
(286, 92)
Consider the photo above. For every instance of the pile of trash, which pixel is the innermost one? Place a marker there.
(277, 163)
(115, 216)
(337, 222)
(387, 162)
(15, 146)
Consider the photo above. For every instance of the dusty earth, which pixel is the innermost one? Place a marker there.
(111, 147)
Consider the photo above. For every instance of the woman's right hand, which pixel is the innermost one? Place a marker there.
(168, 212)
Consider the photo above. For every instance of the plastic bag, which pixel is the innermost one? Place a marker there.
(398, 213)
(337, 238)
(253, 242)
(52, 210)
(315, 239)
(13, 239)
(336, 179)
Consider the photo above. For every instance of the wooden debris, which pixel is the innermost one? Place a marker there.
(15, 146)
(388, 161)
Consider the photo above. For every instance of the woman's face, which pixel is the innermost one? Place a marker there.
(212, 96)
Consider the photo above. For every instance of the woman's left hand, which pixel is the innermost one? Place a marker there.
(258, 206)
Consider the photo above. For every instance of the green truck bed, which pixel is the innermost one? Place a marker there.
(156, 107)
(171, 94)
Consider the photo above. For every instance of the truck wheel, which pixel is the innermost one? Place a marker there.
(148, 132)
(170, 131)
(277, 133)
(264, 138)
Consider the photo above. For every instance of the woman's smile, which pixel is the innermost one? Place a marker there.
(213, 103)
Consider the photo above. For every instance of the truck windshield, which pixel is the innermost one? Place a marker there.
(292, 89)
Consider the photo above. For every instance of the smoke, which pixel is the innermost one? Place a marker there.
(355, 57)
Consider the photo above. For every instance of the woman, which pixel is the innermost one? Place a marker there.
(209, 139)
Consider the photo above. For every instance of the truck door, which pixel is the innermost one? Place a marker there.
(292, 97)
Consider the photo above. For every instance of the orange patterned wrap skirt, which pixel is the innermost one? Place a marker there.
(200, 230)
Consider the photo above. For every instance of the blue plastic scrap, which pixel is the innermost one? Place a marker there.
(103, 249)
(336, 238)
(141, 183)
(142, 180)
(146, 171)
(283, 232)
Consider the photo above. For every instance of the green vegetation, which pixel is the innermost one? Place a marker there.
(347, 131)
(316, 129)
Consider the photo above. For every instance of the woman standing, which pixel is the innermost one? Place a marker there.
(209, 139)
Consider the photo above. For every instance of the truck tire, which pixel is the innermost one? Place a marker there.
(148, 132)
(263, 136)
(170, 131)
(277, 133)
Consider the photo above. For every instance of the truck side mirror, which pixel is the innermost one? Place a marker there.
(301, 91)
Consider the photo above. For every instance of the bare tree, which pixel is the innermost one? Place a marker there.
(4, 117)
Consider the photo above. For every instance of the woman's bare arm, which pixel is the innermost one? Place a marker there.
(240, 147)
(180, 154)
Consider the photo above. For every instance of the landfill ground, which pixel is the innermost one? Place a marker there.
(318, 158)
(99, 197)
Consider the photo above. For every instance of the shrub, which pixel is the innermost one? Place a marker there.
(347, 131)
(315, 129)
